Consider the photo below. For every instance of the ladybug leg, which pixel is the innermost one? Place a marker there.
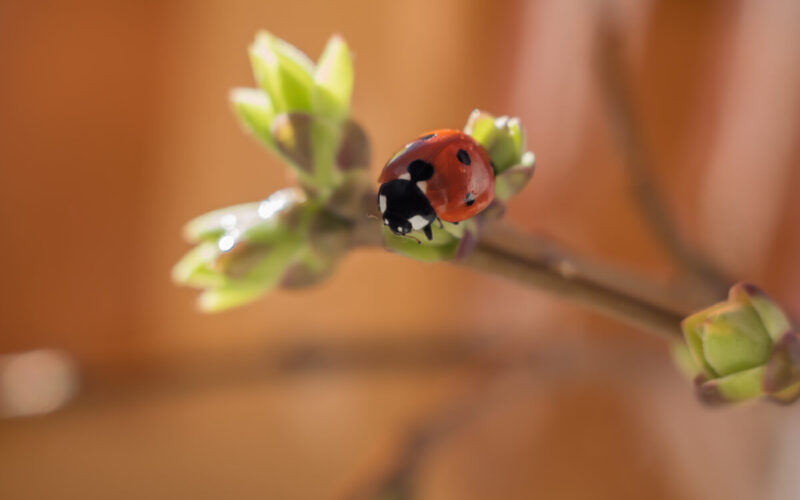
(441, 226)
(428, 232)
(412, 238)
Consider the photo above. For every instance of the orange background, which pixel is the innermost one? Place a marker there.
(115, 130)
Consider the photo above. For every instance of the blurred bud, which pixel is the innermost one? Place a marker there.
(254, 109)
(301, 111)
(333, 79)
(742, 348)
(322, 153)
(283, 72)
(249, 249)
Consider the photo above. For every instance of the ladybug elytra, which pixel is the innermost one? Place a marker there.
(442, 175)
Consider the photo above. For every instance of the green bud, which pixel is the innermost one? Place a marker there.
(283, 72)
(733, 345)
(333, 80)
(247, 250)
(503, 138)
(322, 152)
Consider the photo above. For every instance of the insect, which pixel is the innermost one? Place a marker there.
(442, 175)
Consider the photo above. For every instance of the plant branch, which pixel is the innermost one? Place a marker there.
(540, 264)
(504, 252)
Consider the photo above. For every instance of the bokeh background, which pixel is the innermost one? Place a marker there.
(115, 129)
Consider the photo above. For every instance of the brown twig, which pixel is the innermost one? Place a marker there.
(566, 278)
(639, 163)
(540, 264)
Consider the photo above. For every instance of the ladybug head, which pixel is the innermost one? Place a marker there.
(404, 207)
(397, 225)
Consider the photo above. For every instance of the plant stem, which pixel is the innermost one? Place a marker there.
(540, 264)
(562, 279)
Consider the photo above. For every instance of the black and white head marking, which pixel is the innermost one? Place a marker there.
(403, 204)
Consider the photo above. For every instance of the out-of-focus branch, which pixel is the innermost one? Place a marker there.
(393, 480)
(638, 162)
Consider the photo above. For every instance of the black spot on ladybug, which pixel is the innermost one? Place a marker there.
(463, 157)
(470, 198)
(426, 137)
(420, 170)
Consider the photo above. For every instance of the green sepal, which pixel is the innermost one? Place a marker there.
(735, 387)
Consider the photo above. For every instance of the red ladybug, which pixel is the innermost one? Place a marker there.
(443, 175)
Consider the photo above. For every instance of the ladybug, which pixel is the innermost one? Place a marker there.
(442, 175)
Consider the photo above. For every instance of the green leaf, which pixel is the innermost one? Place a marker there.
(334, 80)
(254, 109)
(283, 72)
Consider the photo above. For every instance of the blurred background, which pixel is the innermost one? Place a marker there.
(115, 129)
